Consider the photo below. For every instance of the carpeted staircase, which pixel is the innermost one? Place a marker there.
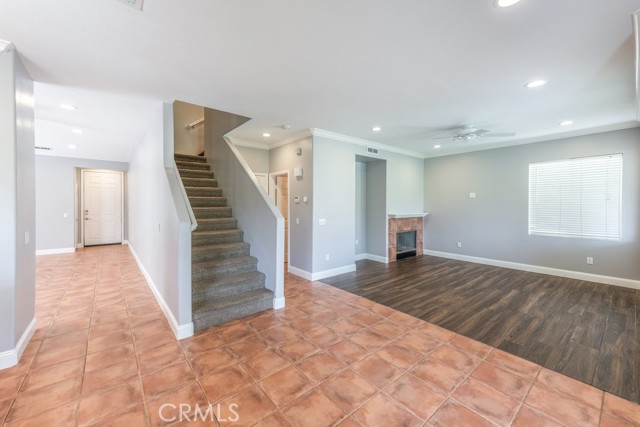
(226, 283)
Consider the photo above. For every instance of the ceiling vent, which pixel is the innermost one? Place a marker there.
(136, 4)
(44, 148)
(371, 150)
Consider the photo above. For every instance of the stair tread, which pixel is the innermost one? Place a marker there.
(210, 307)
(201, 159)
(215, 232)
(220, 246)
(202, 188)
(228, 280)
(239, 260)
(223, 219)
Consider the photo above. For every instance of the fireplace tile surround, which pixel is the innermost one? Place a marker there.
(399, 223)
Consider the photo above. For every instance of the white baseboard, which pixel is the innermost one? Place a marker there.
(278, 303)
(360, 257)
(125, 242)
(579, 275)
(371, 257)
(180, 331)
(333, 272)
(11, 357)
(322, 274)
(55, 251)
(79, 246)
(299, 272)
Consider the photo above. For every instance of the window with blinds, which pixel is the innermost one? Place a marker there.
(576, 197)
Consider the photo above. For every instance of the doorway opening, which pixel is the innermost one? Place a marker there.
(279, 191)
(371, 209)
(101, 216)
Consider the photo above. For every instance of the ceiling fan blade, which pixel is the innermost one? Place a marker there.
(481, 132)
(444, 137)
(498, 135)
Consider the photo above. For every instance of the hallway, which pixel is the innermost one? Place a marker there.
(104, 355)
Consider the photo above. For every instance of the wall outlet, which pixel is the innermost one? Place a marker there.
(327, 257)
(472, 195)
(27, 237)
(356, 241)
(297, 221)
(459, 244)
(64, 215)
(322, 221)
(589, 260)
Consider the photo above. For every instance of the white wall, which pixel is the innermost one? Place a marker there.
(55, 196)
(361, 208)
(377, 223)
(188, 141)
(159, 226)
(17, 216)
(256, 158)
(334, 190)
(494, 225)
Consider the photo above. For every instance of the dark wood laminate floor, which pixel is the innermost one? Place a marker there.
(585, 330)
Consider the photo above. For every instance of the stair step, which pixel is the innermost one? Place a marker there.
(207, 201)
(203, 238)
(221, 251)
(203, 191)
(213, 312)
(212, 212)
(199, 182)
(192, 165)
(218, 268)
(195, 173)
(232, 284)
(189, 158)
(217, 224)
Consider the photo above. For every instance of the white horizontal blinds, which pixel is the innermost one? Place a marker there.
(576, 197)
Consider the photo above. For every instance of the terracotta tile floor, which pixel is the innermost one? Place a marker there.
(103, 355)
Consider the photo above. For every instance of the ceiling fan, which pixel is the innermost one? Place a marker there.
(470, 132)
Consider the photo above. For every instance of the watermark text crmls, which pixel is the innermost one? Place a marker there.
(170, 412)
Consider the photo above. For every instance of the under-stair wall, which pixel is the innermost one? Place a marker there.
(262, 223)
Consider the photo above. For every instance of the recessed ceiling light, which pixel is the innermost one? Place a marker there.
(77, 131)
(266, 135)
(505, 3)
(73, 147)
(376, 129)
(536, 83)
(436, 146)
(566, 123)
(68, 107)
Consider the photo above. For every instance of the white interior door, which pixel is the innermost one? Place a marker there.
(102, 207)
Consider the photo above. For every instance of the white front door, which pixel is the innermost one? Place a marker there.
(102, 207)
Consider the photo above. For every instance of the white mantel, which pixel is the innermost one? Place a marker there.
(409, 215)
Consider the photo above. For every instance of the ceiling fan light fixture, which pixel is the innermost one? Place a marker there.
(566, 123)
(535, 83)
(376, 129)
(266, 134)
(505, 3)
(437, 146)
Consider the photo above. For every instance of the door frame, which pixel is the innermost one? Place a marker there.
(272, 187)
(82, 171)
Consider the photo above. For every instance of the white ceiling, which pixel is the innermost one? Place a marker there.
(417, 68)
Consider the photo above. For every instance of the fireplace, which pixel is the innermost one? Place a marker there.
(405, 244)
(405, 235)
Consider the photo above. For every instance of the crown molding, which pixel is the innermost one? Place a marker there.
(306, 133)
(249, 144)
(553, 137)
(365, 143)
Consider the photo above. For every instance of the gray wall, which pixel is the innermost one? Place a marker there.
(187, 141)
(377, 208)
(257, 159)
(159, 225)
(55, 196)
(334, 189)
(300, 235)
(494, 225)
(361, 208)
(17, 192)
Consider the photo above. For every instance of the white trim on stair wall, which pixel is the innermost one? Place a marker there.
(11, 357)
(180, 331)
(319, 275)
(55, 251)
(579, 275)
(278, 303)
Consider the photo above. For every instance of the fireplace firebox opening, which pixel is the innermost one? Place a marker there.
(405, 244)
